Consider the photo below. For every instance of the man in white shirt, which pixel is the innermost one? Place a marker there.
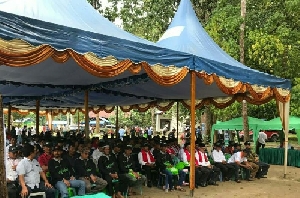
(147, 161)
(98, 152)
(220, 162)
(30, 172)
(212, 172)
(262, 137)
(11, 173)
(236, 164)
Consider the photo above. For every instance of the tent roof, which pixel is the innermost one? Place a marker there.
(276, 124)
(71, 47)
(186, 34)
(237, 124)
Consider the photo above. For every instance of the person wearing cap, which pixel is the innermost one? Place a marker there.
(108, 167)
(253, 158)
(11, 173)
(236, 147)
(200, 177)
(240, 159)
(116, 150)
(46, 156)
(70, 156)
(164, 162)
(63, 175)
(147, 161)
(205, 165)
(85, 170)
(220, 162)
(127, 167)
(30, 172)
(229, 148)
(12, 142)
(156, 149)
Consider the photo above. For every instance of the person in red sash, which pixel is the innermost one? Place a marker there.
(147, 162)
(198, 174)
(213, 172)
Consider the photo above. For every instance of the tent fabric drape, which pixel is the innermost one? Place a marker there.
(18, 53)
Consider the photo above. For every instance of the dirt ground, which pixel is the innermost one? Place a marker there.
(272, 186)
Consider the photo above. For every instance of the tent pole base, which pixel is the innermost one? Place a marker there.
(191, 193)
(284, 176)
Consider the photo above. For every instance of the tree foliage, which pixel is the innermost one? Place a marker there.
(272, 41)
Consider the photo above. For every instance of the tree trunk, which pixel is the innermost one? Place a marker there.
(242, 33)
(242, 60)
(153, 120)
(245, 121)
(208, 120)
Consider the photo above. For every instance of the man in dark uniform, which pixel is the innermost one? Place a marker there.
(253, 158)
(127, 168)
(109, 169)
(63, 175)
(85, 169)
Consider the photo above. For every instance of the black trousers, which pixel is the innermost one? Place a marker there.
(214, 174)
(258, 147)
(149, 174)
(263, 169)
(12, 190)
(203, 175)
(235, 169)
(118, 186)
(226, 169)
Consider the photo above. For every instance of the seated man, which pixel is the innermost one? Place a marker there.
(253, 158)
(98, 152)
(11, 173)
(30, 172)
(164, 162)
(240, 159)
(62, 174)
(46, 156)
(220, 162)
(147, 161)
(127, 167)
(201, 156)
(109, 169)
(85, 169)
(201, 175)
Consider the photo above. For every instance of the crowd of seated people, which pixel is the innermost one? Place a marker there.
(117, 167)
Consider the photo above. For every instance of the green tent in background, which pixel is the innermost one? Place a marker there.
(275, 124)
(237, 124)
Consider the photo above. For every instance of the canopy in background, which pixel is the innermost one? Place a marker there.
(237, 124)
(276, 124)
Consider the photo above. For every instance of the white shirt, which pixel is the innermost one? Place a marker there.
(31, 170)
(218, 156)
(96, 155)
(10, 173)
(262, 137)
(203, 163)
(237, 157)
(141, 161)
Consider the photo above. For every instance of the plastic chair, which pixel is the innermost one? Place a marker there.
(37, 194)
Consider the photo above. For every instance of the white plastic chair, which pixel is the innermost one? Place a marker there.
(37, 194)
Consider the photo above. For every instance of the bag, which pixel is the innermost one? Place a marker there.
(173, 170)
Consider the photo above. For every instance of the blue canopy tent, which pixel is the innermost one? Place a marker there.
(68, 45)
(186, 34)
